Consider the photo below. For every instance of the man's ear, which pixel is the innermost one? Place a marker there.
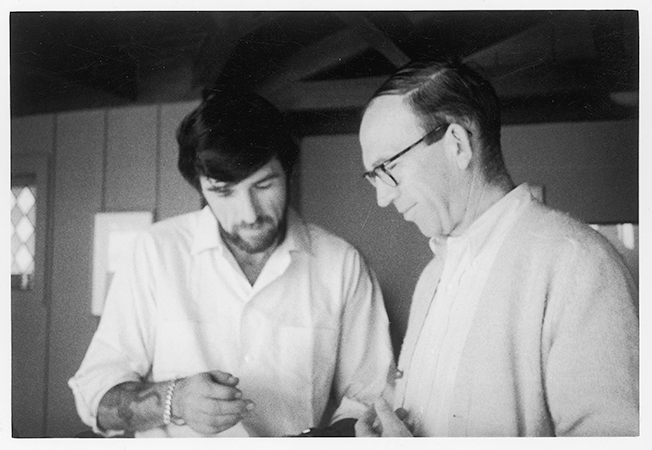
(460, 139)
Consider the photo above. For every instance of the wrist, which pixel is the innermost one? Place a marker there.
(168, 410)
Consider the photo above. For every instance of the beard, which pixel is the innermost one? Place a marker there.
(269, 233)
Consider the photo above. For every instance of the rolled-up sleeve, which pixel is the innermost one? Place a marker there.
(121, 349)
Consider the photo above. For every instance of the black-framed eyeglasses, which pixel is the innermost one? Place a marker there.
(381, 171)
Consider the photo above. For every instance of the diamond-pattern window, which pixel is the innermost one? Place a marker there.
(23, 242)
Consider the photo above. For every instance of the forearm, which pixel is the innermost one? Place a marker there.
(132, 406)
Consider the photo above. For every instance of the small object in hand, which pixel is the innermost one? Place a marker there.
(341, 428)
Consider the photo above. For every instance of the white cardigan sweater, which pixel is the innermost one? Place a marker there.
(553, 348)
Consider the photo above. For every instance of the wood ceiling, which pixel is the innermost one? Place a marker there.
(322, 66)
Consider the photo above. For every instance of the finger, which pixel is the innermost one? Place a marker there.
(219, 391)
(223, 386)
(208, 424)
(223, 407)
(364, 427)
(211, 413)
(382, 407)
(391, 424)
(386, 413)
(213, 407)
(401, 414)
(224, 378)
(223, 423)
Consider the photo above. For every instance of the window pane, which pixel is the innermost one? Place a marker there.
(23, 245)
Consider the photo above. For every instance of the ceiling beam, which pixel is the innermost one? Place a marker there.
(376, 39)
(550, 49)
(289, 92)
(331, 94)
(322, 55)
(219, 46)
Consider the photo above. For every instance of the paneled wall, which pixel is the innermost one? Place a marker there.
(124, 159)
(120, 159)
(78, 187)
(32, 152)
(589, 169)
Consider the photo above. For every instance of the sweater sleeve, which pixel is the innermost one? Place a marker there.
(591, 367)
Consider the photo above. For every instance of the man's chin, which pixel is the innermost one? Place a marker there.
(255, 247)
(427, 231)
(254, 240)
(255, 244)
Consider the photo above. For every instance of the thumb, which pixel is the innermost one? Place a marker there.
(382, 407)
(224, 378)
(391, 422)
(364, 427)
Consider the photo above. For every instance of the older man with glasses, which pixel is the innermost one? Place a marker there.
(525, 323)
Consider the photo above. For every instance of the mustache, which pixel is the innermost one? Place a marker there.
(260, 220)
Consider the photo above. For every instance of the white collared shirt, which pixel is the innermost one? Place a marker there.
(426, 388)
(313, 321)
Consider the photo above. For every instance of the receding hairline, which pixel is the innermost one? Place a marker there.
(407, 98)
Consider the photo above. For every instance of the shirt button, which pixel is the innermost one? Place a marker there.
(248, 358)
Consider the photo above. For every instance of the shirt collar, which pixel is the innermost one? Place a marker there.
(297, 237)
(208, 237)
(481, 229)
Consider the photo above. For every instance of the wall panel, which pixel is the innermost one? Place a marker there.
(334, 195)
(32, 134)
(175, 195)
(77, 197)
(31, 149)
(589, 169)
(131, 159)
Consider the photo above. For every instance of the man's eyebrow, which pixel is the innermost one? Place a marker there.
(268, 177)
(219, 185)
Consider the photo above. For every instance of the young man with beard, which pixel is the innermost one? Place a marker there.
(239, 319)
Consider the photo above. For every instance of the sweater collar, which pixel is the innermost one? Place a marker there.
(484, 226)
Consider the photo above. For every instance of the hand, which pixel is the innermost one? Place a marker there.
(380, 421)
(209, 402)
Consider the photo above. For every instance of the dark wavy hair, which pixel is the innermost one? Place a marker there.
(231, 135)
(450, 91)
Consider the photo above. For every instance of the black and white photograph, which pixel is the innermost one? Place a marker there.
(317, 221)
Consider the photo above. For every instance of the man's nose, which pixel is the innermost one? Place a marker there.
(384, 194)
(248, 208)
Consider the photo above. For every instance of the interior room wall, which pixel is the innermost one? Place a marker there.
(124, 159)
(32, 150)
(589, 169)
(119, 159)
(335, 196)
